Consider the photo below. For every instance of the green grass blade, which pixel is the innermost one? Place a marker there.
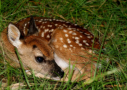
(27, 81)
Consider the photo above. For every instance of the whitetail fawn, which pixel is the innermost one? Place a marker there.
(49, 46)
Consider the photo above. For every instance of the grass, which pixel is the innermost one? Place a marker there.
(106, 19)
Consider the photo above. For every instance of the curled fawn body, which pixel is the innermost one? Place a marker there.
(49, 46)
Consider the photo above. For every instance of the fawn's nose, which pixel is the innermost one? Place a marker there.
(61, 74)
(57, 72)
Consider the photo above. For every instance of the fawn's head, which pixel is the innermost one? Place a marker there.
(35, 53)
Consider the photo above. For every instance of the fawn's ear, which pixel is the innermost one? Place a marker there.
(14, 35)
(32, 28)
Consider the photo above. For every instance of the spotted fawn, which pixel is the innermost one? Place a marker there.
(51, 48)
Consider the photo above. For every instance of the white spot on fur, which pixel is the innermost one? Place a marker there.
(80, 36)
(70, 32)
(46, 30)
(65, 46)
(65, 30)
(61, 39)
(40, 21)
(87, 44)
(70, 49)
(74, 47)
(65, 25)
(41, 26)
(25, 24)
(80, 44)
(88, 36)
(66, 35)
(51, 30)
(42, 34)
(71, 45)
(91, 51)
(50, 19)
(56, 24)
(76, 37)
(69, 28)
(67, 22)
(68, 40)
(87, 33)
(84, 41)
(49, 25)
(74, 34)
(48, 36)
(73, 37)
(82, 48)
(75, 24)
(77, 41)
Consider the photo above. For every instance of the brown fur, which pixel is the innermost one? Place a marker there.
(81, 56)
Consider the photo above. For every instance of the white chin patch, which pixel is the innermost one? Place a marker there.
(41, 75)
(55, 78)
(60, 62)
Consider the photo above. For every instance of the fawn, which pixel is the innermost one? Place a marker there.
(51, 47)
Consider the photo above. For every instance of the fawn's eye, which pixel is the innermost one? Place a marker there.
(39, 59)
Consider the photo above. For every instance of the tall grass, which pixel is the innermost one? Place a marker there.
(106, 19)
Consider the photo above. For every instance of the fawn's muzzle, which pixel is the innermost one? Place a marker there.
(57, 71)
